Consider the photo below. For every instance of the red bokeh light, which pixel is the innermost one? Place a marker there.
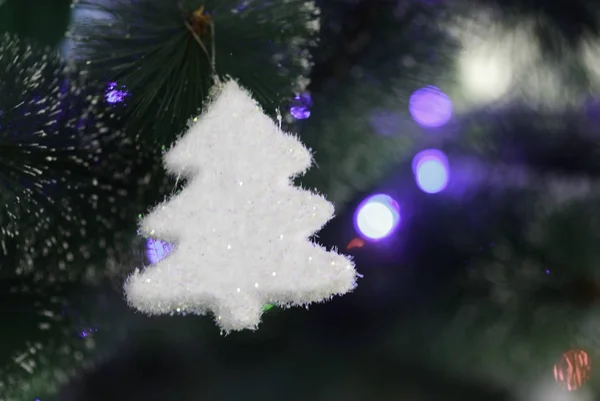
(355, 243)
(573, 369)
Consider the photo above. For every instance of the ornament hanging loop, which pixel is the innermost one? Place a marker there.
(198, 24)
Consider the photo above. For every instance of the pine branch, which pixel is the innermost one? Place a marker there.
(163, 52)
(68, 198)
(44, 338)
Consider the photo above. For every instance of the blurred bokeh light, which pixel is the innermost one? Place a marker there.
(430, 107)
(431, 170)
(485, 71)
(573, 369)
(301, 106)
(377, 217)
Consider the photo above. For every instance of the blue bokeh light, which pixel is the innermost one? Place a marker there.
(431, 171)
(377, 217)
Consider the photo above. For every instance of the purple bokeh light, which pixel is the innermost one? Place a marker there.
(156, 250)
(430, 107)
(431, 170)
(301, 106)
(114, 94)
(377, 217)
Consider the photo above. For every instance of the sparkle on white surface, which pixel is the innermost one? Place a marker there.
(238, 247)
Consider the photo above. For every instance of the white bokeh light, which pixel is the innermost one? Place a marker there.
(485, 74)
(495, 58)
(377, 217)
(375, 220)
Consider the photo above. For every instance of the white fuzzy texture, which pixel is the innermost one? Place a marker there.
(240, 228)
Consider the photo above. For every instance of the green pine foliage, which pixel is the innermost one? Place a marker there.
(68, 197)
(43, 340)
(164, 54)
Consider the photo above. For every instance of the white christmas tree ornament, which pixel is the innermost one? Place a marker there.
(240, 228)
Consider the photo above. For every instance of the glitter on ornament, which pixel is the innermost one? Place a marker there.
(430, 107)
(431, 170)
(377, 217)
